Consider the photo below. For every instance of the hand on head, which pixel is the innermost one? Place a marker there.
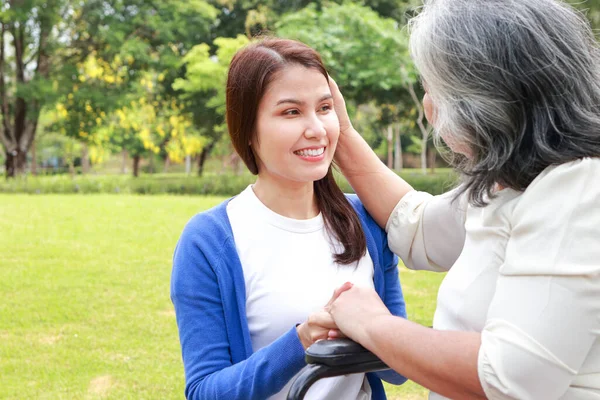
(340, 107)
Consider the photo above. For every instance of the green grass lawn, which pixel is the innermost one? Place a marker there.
(85, 310)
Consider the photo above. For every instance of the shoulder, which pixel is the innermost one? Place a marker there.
(567, 185)
(578, 170)
(556, 224)
(209, 229)
(359, 208)
(367, 221)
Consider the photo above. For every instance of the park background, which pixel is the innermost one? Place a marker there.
(112, 133)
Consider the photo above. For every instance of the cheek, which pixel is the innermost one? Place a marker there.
(274, 139)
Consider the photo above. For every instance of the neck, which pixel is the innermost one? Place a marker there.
(291, 199)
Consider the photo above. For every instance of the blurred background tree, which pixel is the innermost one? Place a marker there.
(142, 82)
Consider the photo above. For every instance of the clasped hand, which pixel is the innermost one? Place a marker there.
(347, 314)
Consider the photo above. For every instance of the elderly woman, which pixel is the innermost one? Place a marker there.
(513, 89)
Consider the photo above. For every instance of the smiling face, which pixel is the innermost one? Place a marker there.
(297, 128)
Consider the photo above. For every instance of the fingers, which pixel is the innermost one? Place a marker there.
(340, 106)
(317, 327)
(321, 320)
(336, 293)
(338, 99)
(335, 334)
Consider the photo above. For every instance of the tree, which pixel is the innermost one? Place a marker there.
(205, 81)
(121, 60)
(29, 32)
(368, 56)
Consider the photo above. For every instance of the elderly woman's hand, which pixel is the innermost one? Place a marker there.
(320, 324)
(340, 107)
(354, 309)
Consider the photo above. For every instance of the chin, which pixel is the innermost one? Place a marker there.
(314, 176)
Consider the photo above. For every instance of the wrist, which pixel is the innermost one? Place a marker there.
(350, 146)
(301, 336)
(372, 327)
(348, 134)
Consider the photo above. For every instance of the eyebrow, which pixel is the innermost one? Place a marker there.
(300, 103)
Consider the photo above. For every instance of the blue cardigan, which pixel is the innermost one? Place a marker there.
(208, 292)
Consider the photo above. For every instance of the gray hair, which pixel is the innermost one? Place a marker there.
(516, 81)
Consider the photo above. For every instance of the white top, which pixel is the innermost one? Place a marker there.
(528, 279)
(290, 273)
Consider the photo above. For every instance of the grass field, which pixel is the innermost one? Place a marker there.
(85, 310)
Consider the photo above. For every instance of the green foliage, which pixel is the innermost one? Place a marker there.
(123, 57)
(366, 54)
(216, 184)
(204, 85)
(207, 73)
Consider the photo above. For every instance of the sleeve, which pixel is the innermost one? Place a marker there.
(209, 371)
(428, 232)
(393, 299)
(544, 316)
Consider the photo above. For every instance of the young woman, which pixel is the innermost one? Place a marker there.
(251, 277)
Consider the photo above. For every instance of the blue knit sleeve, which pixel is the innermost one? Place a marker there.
(206, 348)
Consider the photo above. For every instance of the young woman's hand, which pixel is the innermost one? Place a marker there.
(320, 325)
(317, 327)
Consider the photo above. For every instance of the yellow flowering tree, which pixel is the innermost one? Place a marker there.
(204, 88)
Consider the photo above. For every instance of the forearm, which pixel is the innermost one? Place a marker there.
(379, 188)
(442, 361)
(262, 375)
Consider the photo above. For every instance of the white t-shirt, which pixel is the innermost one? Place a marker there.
(289, 272)
(527, 278)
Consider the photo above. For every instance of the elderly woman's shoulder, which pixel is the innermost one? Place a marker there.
(572, 184)
(584, 170)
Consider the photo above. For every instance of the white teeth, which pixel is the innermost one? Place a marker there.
(310, 152)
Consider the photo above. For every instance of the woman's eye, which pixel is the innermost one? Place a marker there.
(326, 107)
(291, 112)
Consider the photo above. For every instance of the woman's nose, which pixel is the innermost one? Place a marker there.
(315, 129)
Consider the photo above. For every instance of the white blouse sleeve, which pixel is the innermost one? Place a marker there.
(427, 232)
(545, 315)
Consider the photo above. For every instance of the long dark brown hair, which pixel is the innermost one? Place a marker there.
(250, 73)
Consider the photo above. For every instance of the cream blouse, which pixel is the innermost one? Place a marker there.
(525, 272)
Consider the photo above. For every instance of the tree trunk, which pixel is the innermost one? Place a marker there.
(85, 159)
(204, 156)
(33, 159)
(432, 157)
(151, 162)
(188, 164)
(136, 166)
(397, 149)
(124, 161)
(390, 147)
(167, 164)
(424, 155)
(15, 163)
(24, 112)
(71, 166)
(424, 131)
